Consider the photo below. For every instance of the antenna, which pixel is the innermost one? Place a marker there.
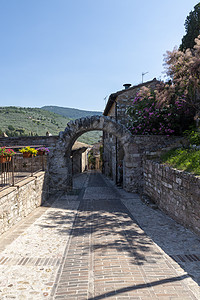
(105, 99)
(143, 75)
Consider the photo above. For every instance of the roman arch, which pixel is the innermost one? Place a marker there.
(60, 173)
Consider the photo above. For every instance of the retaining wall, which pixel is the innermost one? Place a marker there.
(19, 201)
(48, 141)
(176, 192)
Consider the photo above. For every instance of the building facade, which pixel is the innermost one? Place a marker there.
(79, 157)
(116, 107)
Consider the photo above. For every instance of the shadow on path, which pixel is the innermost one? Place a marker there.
(138, 287)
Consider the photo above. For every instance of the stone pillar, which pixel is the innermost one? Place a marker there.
(60, 169)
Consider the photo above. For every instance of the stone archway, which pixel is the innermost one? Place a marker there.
(60, 174)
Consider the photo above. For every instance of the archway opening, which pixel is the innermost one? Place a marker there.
(97, 151)
(86, 152)
(60, 166)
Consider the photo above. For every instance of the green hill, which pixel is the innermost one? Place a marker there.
(23, 121)
(16, 121)
(71, 113)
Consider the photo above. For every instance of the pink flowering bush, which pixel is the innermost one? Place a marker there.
(148, 117)
(183, 70)
(174, 106)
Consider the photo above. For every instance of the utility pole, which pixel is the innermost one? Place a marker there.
(143, 75)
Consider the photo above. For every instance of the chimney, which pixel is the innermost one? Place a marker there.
(126, 85)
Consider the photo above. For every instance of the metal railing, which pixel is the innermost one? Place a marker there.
(19, 168)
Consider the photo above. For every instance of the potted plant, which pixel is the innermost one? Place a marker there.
(2, 155)
(42, 150)
(6, 154)
(28, 151)
(9, 153)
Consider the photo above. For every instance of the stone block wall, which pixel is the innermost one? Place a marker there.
(19, 201)
(141, 146)
(29, 164)
(48, 141)
(176, 192)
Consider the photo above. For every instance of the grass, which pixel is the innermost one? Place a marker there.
(183, 159)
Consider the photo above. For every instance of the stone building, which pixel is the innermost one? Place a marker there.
(79, 156)
(116, 107)
(96, 154)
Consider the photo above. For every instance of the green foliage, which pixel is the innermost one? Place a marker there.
(183, 159)
(22, 121)
(90, 137)
(193, 137)
(91, 159)
(192, 28)
(11, 128)
(25, 121)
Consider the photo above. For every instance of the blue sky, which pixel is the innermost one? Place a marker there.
(74, 53)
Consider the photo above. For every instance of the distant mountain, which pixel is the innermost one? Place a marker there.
(71, 113)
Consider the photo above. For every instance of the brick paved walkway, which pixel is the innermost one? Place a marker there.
(89, 246)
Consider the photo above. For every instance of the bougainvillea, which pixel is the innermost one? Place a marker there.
(147, 117)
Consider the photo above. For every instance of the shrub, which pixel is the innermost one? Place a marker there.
(193, 137)
(147, 117)
(183, 159)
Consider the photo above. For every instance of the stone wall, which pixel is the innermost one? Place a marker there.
(20, 200)
(48, 141)
(141, 145)
(176, 192)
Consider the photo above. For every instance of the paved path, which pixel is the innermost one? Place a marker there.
(101, 243)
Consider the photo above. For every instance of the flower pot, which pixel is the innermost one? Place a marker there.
(3, 159)
(8, 158)
(27, 154)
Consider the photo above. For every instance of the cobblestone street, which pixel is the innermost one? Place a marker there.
(99, 242)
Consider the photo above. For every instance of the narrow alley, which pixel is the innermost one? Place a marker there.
(99, 242)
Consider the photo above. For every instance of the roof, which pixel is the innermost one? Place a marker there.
(79, 145)
(113, 96)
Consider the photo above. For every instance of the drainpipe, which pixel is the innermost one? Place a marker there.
(116, 156)
(103, 156)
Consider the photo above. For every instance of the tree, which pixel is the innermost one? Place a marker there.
(192, 28)
(20, 131)
(174, 105)
(11, 128)
(183, 68)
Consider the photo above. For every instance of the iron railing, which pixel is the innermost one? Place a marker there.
(19, 168)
